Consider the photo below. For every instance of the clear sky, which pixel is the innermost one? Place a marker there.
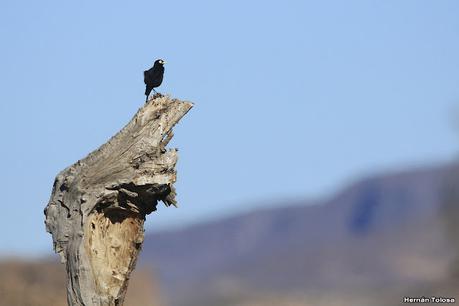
(292, 98)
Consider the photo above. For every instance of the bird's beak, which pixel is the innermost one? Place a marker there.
(164, 62)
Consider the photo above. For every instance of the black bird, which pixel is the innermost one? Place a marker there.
(153, 77)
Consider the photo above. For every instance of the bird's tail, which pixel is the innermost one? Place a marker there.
(148, 90)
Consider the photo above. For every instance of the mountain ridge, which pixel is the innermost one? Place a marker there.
(367, 234)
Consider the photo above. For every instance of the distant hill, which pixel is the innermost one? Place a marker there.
(42, 283)
(385, 232)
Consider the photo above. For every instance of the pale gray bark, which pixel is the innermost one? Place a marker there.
(98, 205)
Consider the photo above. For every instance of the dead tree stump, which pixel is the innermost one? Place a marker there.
(98, 205)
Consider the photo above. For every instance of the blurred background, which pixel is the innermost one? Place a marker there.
(318, 166)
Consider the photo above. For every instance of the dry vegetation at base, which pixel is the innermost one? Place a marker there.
(42, 283)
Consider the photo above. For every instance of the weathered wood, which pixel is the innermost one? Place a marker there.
(98, 205)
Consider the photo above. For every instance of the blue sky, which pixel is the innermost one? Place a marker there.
(292, 99)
